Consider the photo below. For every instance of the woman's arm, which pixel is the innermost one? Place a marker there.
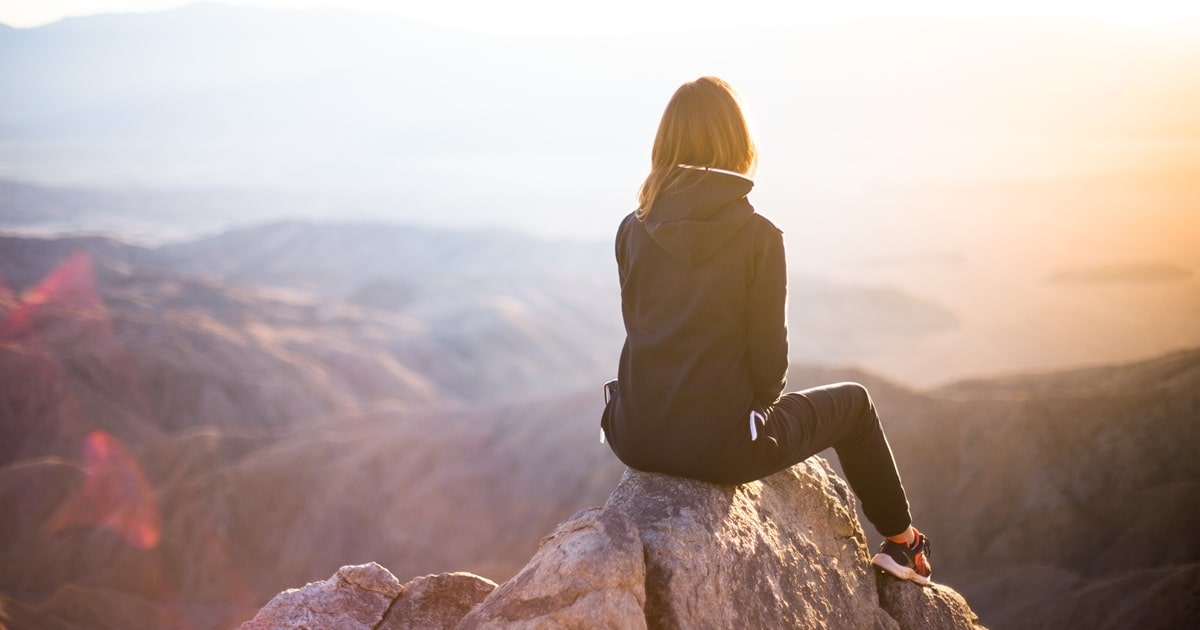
(619, 246)
(766, 316)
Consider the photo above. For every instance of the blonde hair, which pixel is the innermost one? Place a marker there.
(703, 126)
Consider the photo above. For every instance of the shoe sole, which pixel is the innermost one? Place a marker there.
(887, 563)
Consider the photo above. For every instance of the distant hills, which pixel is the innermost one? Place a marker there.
(274, 424)
(549, 307)
(248, 409)
(954, 204)
(1128, 273)
(1038, 481)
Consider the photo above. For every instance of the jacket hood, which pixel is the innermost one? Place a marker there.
(703, 213)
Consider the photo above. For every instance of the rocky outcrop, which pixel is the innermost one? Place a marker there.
(665, 552)
(434, 602)
(355, 597)
(935, 607)
(785, 552)
(590, 572)
(369, 596)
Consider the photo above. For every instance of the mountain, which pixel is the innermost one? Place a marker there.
(1038, 482)
(336, 259)
(500, 314)
(147, 214)
(463, 315)
(168, 440)
(537, 330)
(555, 301)
(118, 344)
(478, 280)
(948, 194)
(180, 446)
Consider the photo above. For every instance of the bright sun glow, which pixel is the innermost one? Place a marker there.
(633, 16)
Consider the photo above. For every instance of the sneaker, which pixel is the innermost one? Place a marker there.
(904, 561)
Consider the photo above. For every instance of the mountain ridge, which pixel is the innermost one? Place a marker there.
(262, 421)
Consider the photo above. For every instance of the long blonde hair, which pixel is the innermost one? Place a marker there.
(703, 126)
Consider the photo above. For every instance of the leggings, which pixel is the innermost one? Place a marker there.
(841, 416)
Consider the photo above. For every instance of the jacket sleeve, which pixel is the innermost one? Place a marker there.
(619, 249)
(767, 318)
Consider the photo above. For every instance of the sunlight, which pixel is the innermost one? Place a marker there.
(631, 16)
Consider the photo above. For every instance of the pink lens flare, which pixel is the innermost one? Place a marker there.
(70, 286)
(75, 387)
(60, 326)
(115, 494)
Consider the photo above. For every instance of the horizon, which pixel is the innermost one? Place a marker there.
(963, 162)
(898, 106)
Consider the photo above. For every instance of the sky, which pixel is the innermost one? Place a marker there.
(556, 17)
(962, 161)
(835, 107)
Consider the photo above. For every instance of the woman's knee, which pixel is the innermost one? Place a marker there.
(866, 418)
(858, 394)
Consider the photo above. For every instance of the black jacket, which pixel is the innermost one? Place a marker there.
(703, 293)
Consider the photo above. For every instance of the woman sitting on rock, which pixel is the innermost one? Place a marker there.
(703, 293)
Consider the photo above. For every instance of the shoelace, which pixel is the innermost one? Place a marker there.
(922, 543)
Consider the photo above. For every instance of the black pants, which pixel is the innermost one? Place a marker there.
(841, 416)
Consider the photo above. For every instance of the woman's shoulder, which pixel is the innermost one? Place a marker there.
(631, 220)
(763, 224)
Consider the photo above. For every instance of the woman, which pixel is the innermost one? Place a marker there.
(703, 295)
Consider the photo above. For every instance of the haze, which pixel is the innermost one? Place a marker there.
(964, 158)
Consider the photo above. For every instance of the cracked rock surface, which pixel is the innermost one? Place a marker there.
(434, 602)
(588, 573)
(369, 597)
(783, 552)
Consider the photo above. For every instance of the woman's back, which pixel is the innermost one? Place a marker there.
(702, 293)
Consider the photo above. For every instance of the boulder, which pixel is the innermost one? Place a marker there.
(935, 607)
(783, 552)
(588, 573)
(369, 597)
(436, 602)
(355, 597)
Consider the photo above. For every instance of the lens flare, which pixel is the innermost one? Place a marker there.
(70, 286)
(115, 494)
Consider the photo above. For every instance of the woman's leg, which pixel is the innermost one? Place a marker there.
(843, 416)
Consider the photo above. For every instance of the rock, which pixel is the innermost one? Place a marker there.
(355, 597)
(935, 607)
(588, 573)
(665, 552)
(369, 597)
(436, 602)
(783, 552)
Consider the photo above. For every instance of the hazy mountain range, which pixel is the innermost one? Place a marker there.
(283, 432)
(974, 170)
(922, 320)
